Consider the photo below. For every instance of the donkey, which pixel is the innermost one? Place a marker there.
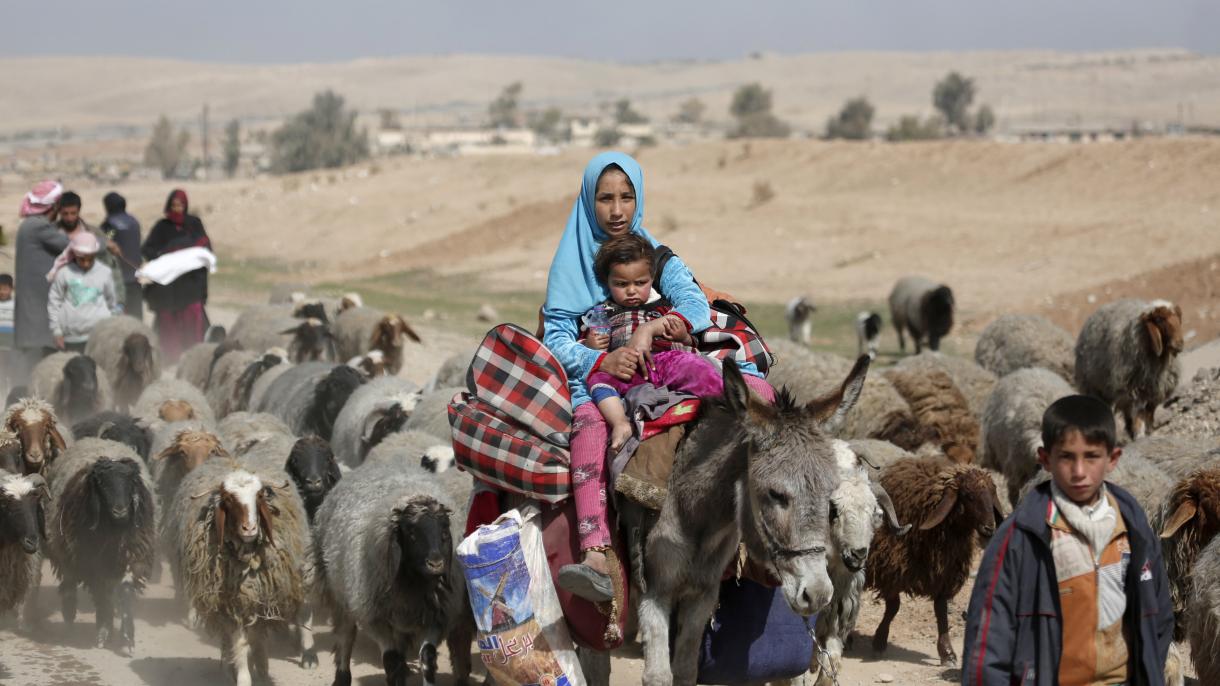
(749, 472)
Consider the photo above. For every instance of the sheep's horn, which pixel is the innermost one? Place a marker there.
(200, 495)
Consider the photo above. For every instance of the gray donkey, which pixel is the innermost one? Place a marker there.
(751, 472)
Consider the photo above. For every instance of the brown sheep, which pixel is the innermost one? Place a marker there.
(941, 409)
(361, 329)
(35, 424)
(1188, 520)
(949, 503)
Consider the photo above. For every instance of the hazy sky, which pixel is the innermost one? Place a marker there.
(628, 30)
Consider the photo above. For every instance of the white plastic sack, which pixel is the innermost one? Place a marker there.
(523, 638)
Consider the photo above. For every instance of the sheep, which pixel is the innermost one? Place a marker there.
(102, 532)
(868, 333)
(384, 562)
(241, 431)
(1018, 341)
(452, 372)
(1012, 424)
(1192, 410)
(308, 461)
(309, 396)
(222, 391)
(35, 425)
(171, 400)
(1142, 478)
(15, 394)
(799, 315)
(941, 409)
(10, 452)
(370, 364)
(361, 329)
(1187, 520)
(287, 293)
(115, 426)
(258, 389)
(23, 503)
(413, 448)
(858, 507)
(373, 411)
(312, 340)
(241, 549)
(129, 353)
(1203, 621)
(178, 449)
(262, 327)
(876, 453)
(195, 364)
(215, 333)
(949, 503)
(243, 391)
(1177, 456)
(923, 307)
(880, 412)
(431, 413)
(972, 380)
(1127, 355)
(73, 383)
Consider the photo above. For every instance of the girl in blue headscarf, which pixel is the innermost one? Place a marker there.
(611, 203)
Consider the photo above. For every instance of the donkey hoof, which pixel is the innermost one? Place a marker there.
(949, 661)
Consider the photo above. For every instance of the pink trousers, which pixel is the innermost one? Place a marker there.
(589, 484)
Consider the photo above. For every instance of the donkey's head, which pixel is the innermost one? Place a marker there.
(792, 472)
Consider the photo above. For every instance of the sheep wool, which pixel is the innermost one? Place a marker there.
(1012, 424)
(1017, 341)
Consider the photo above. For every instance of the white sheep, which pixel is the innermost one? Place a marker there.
(171, 400)
(1017, 341)
(241, 431)
(1127, 355)
(195, 364)
(452, 372)
(431, 413)
(868, 333)
(799, 315)
(1012, 424)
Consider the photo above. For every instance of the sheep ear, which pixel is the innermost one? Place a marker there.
(57, 440)
(1185, 512)
(832, 409)
(166, 452)
(93, 508)
(942, 510)
(406, 328)
(289, 332)
(395, 557)
(264, 517)
(1154, 336)
(887, 506)
(219, 521)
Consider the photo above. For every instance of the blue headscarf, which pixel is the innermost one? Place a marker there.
(572, 287)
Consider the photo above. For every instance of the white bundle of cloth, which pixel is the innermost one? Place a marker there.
(166, 269)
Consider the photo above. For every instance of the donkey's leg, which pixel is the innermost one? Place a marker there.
(654, 631)
(944, 646)
(595, 664)
(881, 639)
(693, 614)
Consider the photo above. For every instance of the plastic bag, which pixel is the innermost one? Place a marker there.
(522, 637)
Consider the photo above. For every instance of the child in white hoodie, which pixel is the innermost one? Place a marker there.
(82, 293)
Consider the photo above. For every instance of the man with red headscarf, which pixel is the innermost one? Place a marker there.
(39, 241)
(179, 305)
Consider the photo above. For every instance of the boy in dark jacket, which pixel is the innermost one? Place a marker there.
(1071, 590)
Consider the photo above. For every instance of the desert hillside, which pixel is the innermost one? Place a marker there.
(1028, 89)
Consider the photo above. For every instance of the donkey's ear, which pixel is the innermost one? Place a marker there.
(830, 410)
(736, 392)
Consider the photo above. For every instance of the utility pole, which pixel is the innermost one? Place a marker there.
(206, 163)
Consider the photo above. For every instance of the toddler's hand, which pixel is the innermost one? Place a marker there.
(597, 341)
(619, 433)
(675, 329)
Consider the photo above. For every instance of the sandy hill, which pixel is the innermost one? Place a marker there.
(1027, 88)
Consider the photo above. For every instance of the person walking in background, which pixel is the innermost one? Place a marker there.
(82, 293)
(38, 242)
(71, 223)
(181, 318)
(6, 331)
(123, 234)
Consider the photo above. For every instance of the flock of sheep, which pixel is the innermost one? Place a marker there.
(288, 467)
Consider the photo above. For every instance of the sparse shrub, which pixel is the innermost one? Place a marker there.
(547, 124)
(624, 114)
(984, 120)
(389, 120)
(166, 150)
(752, 107)
(854, 121)
(232, 147)
(763, 193)
(323, 136)
(607, 137)
(690, 111)
(952, 97)
(505, 110)
(910, 128)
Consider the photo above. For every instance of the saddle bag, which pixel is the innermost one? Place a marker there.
(754, 637)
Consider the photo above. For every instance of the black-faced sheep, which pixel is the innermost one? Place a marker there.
(868, 333)
(118, 427)
(374, 411)
(36, 426)
(799, 315)
(922, 307)
(241, 547)
(23, 504)
(361, 329)
(972, 380)
(312, 341)
(1018, 341)
(102, 532)
(880, 412)
(307, 461)
(255, 372)
(1187, 521)
(941, 409)
(1127, 355)
(73, 384)
(951, 506)
(431, 413)
(241, 431)
(171, 400)
(370, 364)
(1012, 424)
(309, 396)
(128, 353)
(858, 507)
(384, 562)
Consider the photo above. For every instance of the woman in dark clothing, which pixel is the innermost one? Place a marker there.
(181, 318)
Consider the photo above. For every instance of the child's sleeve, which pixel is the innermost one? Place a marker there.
(1164, 617)
(110, 293)
(991, 621)
(55, 304)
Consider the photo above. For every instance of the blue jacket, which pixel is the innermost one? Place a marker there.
(1014, 634)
